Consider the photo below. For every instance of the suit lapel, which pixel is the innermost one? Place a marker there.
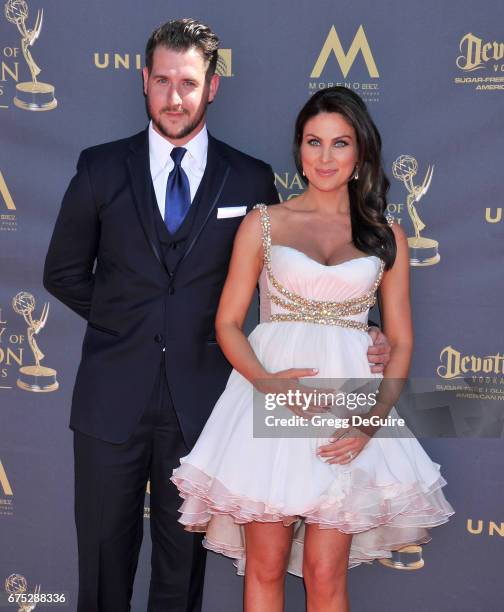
(143, 191)
(211, 186)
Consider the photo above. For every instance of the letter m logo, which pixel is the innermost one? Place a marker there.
(5, 193)
(345, 60)
(4, 481)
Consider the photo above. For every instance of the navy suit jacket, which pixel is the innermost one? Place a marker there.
(105, 263)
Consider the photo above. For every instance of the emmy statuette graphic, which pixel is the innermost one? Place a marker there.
(32, 95)
(35, 378)
(406, 558)
(423, 251)
(16, 584)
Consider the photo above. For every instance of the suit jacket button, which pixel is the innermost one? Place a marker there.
(170, 274)
(171, 290)
(158, 338)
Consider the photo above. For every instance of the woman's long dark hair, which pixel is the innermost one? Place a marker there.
(370, 230)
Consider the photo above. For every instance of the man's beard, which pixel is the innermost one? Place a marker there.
(184, 131)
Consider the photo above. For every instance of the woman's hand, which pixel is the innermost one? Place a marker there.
(345, 447)
(286, 383)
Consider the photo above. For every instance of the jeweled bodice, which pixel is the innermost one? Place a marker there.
(295, 287)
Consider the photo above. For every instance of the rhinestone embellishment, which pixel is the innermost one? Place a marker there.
(322, 312)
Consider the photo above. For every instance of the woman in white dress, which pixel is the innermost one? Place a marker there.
(311, 506)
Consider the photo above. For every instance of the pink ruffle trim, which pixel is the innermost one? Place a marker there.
(383, 517)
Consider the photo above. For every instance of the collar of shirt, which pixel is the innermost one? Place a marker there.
(160, 150)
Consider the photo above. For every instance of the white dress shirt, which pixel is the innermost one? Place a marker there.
(161, 163)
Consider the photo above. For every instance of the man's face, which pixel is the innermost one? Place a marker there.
(177, 93)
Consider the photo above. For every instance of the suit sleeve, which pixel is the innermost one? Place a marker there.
(269, 193)
(69, 264)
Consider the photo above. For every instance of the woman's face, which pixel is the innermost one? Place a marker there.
(328, 151)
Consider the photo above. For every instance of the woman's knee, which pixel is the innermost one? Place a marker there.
(325, 575)
(268, 565)
(267, 550)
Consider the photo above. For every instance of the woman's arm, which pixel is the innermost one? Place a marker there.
(243, 273)
(244, 270)
(395, 309)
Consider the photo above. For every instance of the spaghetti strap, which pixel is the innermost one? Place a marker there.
(266, 234)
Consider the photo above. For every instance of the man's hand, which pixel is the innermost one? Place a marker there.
(379, 352)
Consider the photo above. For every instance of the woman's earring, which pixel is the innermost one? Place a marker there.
(356, 174)
(303, 173)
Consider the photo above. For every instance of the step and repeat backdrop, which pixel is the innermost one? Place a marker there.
(432, 74)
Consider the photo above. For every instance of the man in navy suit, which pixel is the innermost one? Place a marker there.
(140, 249)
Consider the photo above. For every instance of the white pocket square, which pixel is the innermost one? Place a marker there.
(226, 212)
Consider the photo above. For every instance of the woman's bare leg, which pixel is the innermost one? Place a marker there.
(325, 567)
(267, 547)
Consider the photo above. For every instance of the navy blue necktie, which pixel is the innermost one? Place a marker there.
(178, 194)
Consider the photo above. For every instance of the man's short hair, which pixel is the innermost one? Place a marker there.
(182, 35)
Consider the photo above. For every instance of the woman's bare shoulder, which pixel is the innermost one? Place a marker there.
(399, 233)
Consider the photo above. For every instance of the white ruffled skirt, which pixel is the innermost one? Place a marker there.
(388, 496)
